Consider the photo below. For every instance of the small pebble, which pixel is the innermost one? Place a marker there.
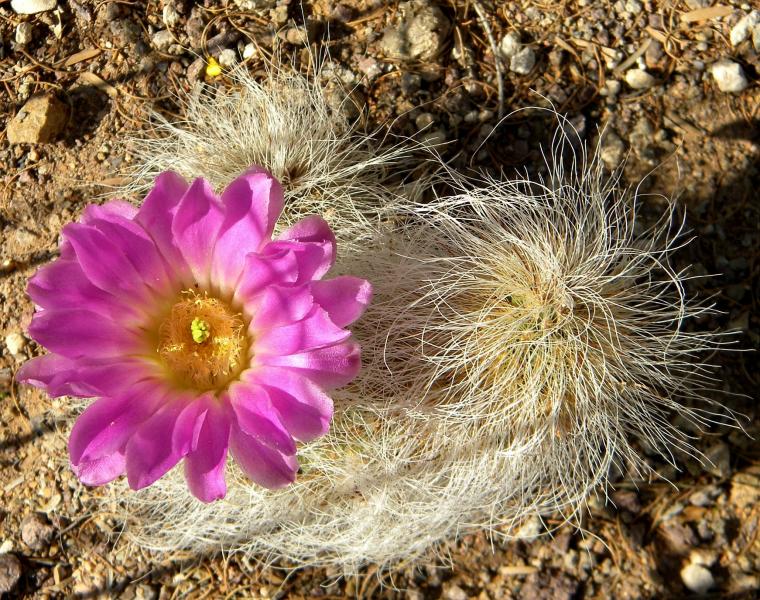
(613, 87)
(633, 7)
(10, 573)
(523, 62)
(729, 76)
(703, 497)
(424, 120)
(639, 79)
(170, 16)
(421, 34)
(228, 58)
(279, 15)
(530, 530)
(36, 531)
(612, 151)
(704, 557)
(195, 70)
(745, 27)
(24, 33)
(719, 457)
(162, 39)
(253, 5)
(510, 45)
(15, 342)
(454, 592)
(432, 138)
(31, 7)
(370, 67)
(697, 578)
(249, 51)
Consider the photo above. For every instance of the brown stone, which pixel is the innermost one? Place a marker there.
(36, 531)
(10, 573)
(40, 120)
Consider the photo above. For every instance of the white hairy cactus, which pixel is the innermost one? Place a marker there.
(524, 342)
(282, 122)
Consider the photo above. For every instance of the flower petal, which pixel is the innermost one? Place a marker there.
(156, 215)
(135, 244)
(313, 260)
(104, 263)
(304, 409)
(252, 204)
(329, 367)
(313, 229)
(257, 417)
(101, 470)
(316, 330)
(118, 208)
(63, 284)
(262, 464)
(195, 228)
(76, 333)
(204, 465)
(61, 376)
(44, 372)
(107, 424)
(149, 456)
(260, 272)
(344, 298)
(279, 305)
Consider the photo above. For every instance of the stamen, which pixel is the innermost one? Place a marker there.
(202, 342)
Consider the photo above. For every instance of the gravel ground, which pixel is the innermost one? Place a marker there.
(674, 82)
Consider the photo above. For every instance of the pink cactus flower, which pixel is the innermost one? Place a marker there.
(196, 332)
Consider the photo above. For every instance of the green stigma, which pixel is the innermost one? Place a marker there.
(200, 330)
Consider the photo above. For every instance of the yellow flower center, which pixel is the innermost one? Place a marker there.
(202, 342)
(200, 330)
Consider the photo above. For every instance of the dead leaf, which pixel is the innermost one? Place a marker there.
(114, 181)
(96, 82)
(82, 56)
(703, 14)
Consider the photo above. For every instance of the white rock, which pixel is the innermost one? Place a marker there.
(742, 30)
(24, 33)
(530, 530)
(639, 79)
(6, 546)
(523, 62)
(170, 16)
(634, 7)
(255, 4)
(613, 150)
(32, 7)
(228, 58)
(613, 87)
(510, 45)
(454, 592)
(729, 76)
(697, 578)
(756, 37)
(162, 39)
(249, 51)
(15, 343)
(703, 557)
(420, 35)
